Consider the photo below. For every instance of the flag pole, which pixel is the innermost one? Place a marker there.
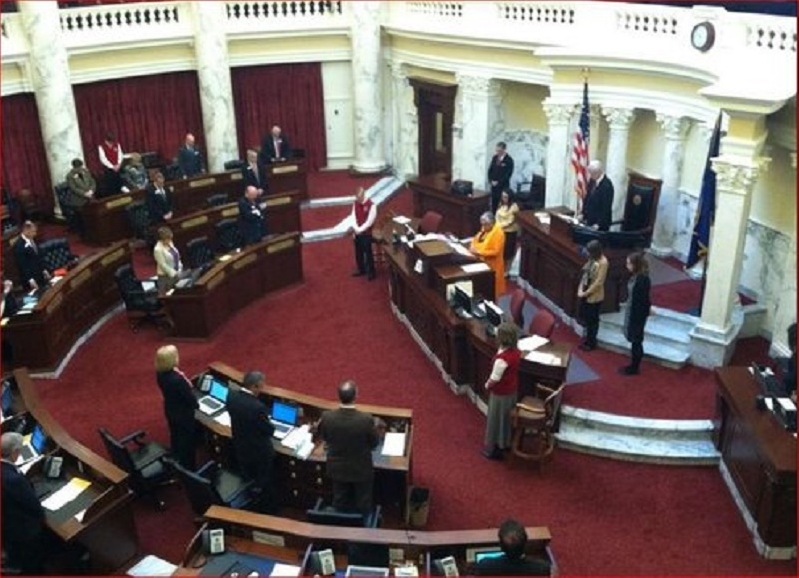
(703, 284)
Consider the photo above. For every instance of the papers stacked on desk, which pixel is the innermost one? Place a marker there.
(300, 440)
(532, 343)
(475, 268)
(401, 220)
(152, 566)
(65, 495)
(460, 249)
(223, 419)
(542, 358)
(285, 570)
(394, 444)
(544, 217)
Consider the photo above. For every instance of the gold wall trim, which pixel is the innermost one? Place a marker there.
(79, 279)
(195, 222)
(244, 261)
(202, 182)
(279, 201)
(285, 170)
(280, 246)
(231, 212)
(121, 202)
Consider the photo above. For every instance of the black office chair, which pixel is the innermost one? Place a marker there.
(143, 461)
(217, 200)
(56, 254)
(234, 165)
(213, 485)
(139, 219)
(70, 213)
(199, 253)
(140, 305)
(327, 516)
(172, 172)
(531, 194)
(228, 236)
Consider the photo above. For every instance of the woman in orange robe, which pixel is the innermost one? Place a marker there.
(489, 245)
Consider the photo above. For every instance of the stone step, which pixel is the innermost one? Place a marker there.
(674, 355)
(660, 325)
(677, 429)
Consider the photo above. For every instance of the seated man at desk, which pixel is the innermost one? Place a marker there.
(22, 513)
(251, 217)
(275, 147)
(32, 270)
(252, 437)
(489, 245)
(350, 436)
(512, 562)
(159, 202)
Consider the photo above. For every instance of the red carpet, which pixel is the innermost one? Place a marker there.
(326, 184)
(606, 517)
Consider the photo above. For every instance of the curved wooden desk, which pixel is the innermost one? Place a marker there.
(40, 339)
(235, 281)
(106, 527)
(303, 481)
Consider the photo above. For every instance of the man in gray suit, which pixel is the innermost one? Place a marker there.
(350, 436)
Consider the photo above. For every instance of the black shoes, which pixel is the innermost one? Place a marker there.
(493, 454)
(587, 346)
(628, 370)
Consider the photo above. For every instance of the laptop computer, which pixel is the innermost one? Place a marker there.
(216, 398)
(284, 418)
(33, 446)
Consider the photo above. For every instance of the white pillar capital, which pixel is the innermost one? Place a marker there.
(399, 71)
(558, 114)
(618, 118)
(736, 177)
(674, 127)
(477, 86)
(477, 122)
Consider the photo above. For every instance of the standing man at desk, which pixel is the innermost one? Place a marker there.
(31, 266)
(275, 147)
(251, 217)
(159, 203)
(350, 436)
(499, 173)
(598, 202)
(111, 155)
(252, 437)
(251, 173)
(22, 513)
(364, 213)
(190, 160)
(512, 562)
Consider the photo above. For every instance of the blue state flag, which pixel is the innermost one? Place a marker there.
(706, 210)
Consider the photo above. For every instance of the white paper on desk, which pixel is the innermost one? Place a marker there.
(285, 570)
(224, 258)
(305, 449)
(460, 249)
(769, 403)
(65, 495)
(148, 285)
(410, 570)
(542, 358)
(79, 515)
(296, 436)
(786, 403)
(401, 220)
(475, 268)
(152, 566)
(430, 237)
(394, 444)
(223, 419)
(56, 279)
(532, 343)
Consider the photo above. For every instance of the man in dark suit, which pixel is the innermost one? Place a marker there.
(499, 173)
(275, 147)
(31, 267)
(512, 562)
(22, 513)
(251, 217)
(598, 202)
(251, 173)
(159, 201)
(190, 160)
(350, 436)
(252, 437)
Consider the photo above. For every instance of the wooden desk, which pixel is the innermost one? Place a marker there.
(65, 312)
(303, 481)
(461, 214)
(461, 346)
(295, 539)
(282, 216)
(106, 220)
(107, 528)
(198, 311)
(760, 456)
(552, 263)
(288, 177)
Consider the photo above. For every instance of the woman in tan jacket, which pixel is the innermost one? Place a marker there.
(167, 260)
(592, 292)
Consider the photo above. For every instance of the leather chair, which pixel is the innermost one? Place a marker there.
(139, 219)
(172, 172)
(531, 194)
(69, 212)
(542, 323)
(516, 308)
(140, 305)
(143, 461)
(217, 200)
(199, 253)
(213, 485)
(228, 236)
(430, 223)
(534, 421)
(326, 515)
(56, 254)
(640, 212)
(234, 165)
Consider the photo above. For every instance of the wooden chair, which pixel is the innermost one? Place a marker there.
(431, 222)
(379, 237)
(516, 309)
(534, 422)
(542, 323)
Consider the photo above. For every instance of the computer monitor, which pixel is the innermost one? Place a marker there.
(475, 555)
(285, 412)
(493, 313)
(7, 398)
(461, 299)
(219, 390)
(334, 518)
(38, 438)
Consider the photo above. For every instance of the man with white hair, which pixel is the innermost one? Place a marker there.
(598, 201)
(22, 513)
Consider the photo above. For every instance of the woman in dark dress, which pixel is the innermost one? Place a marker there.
(179, 405)
(637, 310)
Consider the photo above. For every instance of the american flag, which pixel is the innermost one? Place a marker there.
(580, 148)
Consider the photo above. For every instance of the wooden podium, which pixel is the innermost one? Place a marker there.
(288, 177)
(461, 214)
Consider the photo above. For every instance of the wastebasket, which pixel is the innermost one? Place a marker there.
(418, 507)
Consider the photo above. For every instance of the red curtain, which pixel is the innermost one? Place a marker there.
(23, 154)
(288, 95)
(146, 114)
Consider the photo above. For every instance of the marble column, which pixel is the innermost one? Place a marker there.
(52, 86)
(405, 130)
(216, 91)
(558, 150)
(675, 129)
(619, 121)
(479, 125)
(367, 87)
(712, 339)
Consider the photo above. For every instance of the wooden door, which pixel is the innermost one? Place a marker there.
(435, 106)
